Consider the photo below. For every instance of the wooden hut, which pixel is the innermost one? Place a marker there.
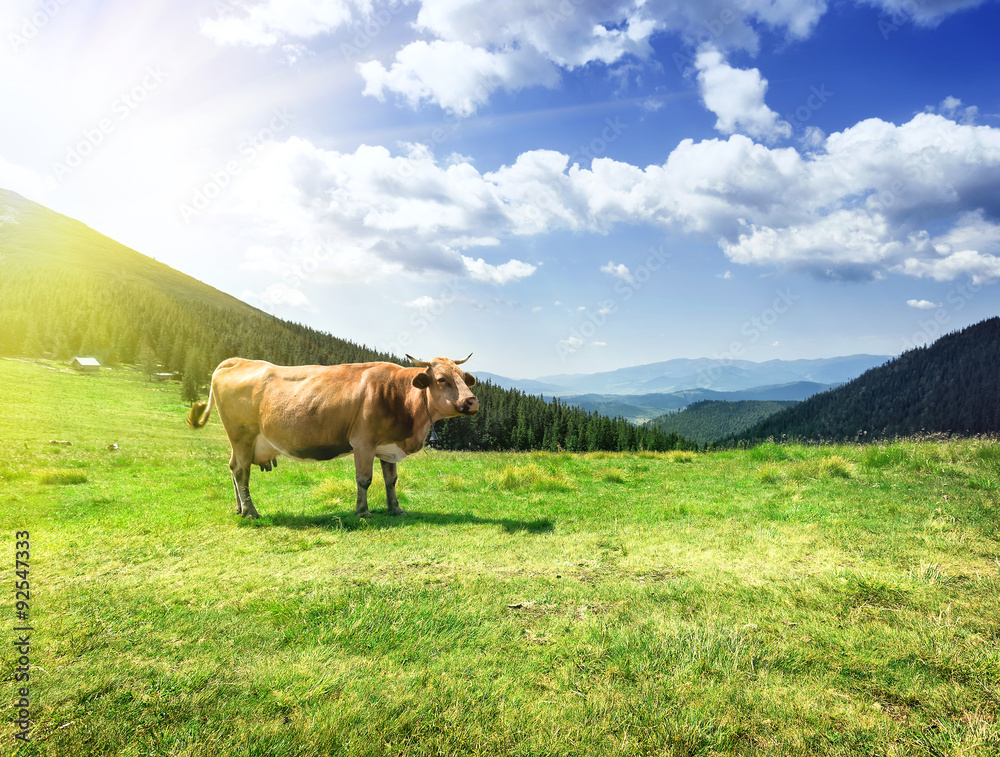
(85, 364)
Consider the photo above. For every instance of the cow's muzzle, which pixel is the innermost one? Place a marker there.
(468, 406)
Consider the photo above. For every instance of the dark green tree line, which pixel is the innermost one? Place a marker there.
(512, 420)
(950, 386)
(119, 321)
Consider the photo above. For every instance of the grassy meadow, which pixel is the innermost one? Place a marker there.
(784, 600)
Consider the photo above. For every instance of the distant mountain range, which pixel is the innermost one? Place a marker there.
(640, 408)
(644, 392)
(684, 374)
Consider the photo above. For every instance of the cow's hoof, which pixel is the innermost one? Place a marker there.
(397, 511)
(364, 514)
(249, 511)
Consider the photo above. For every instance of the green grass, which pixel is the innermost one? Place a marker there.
(779, 600)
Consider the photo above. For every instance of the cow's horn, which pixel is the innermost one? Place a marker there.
(459, 362)
(420, 363)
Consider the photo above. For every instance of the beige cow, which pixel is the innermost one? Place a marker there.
(317, 412)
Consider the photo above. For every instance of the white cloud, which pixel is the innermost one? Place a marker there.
(855, 208)
(280, 295)
(967, 249)
(474, 47)
(512, 270)
(850, 244)
(921, 12)
(457, 76)
(469, 49)
(951, 107)
(812, 139)
(571, 343)
(923, 304)
(264, 259)
(25, 181)
(618, 271)
(972, 231)
(736, 96)
(268, 23)
(569, 34)
(981, 268)
(859, 204)
(425, 302)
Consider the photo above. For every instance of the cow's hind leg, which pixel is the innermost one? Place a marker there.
(390, 475)
(239, 466)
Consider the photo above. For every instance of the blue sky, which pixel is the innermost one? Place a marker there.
(558, 187)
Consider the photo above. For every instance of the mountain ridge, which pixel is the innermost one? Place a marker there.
(648, 407)
(708, 420)
(682, 374)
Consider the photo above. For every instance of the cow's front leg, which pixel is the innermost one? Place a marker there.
(390, 476)
(363, 463)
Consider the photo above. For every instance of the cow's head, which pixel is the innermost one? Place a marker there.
(448, 386)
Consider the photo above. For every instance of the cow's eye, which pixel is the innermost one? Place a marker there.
(443, 381)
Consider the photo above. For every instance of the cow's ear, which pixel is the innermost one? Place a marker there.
(469, 379)
(421, 380)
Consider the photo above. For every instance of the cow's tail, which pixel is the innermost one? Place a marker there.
(200, 411)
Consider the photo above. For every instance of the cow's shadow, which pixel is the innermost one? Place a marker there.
(348, 521)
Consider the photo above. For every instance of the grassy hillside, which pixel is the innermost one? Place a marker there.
(710, 420)
(35, 238)
(950, 386)
(65, 290)
(781, 600)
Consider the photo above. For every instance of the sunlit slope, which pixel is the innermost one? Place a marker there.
(32, 237)
(66, 289)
